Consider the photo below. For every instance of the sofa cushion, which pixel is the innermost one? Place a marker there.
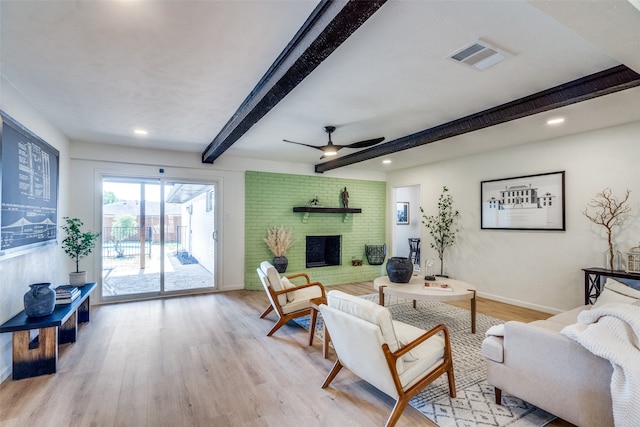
(615, 291)
(568, 317)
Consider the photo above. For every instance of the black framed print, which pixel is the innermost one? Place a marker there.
(402, 213)
(531, 202)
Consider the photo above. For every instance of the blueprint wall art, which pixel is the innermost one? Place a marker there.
(29, 190)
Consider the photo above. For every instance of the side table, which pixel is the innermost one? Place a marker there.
(593, 284)
(315, 308)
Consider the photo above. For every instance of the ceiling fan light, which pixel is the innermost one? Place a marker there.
(330, 152)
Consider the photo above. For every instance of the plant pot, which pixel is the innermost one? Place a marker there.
(399, 269)
(40, 300)
(78, 279)
(280, 263)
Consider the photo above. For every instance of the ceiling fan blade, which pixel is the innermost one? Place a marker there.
(300, 143)
(366, 143)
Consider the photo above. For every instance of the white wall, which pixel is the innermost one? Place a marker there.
(401, 233)
(536, 269)
(47, 264)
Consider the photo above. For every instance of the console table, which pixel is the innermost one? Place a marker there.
(40, 355)
(592, 284)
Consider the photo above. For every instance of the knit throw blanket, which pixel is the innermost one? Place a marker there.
(613, 333)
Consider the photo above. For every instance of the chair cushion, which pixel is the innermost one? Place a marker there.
(615, 291)
(432, 348)
(274, 280)
(302, 297)
(365, 310)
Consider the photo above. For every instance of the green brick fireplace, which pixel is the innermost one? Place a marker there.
(270, 199)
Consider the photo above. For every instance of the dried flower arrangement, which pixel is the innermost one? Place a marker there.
(279, 239)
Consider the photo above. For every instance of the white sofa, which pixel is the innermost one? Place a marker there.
(537, 363)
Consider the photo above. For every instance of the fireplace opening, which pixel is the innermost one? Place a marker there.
(323, 251)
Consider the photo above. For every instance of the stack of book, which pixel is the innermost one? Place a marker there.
(438, 286)
(66, 294)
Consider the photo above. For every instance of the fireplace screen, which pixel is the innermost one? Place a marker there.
(323, 251)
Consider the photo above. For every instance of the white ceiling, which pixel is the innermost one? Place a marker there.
(180, 69)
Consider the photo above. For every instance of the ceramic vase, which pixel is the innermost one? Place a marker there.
(40, 300)
(280, 263)
(399, 269)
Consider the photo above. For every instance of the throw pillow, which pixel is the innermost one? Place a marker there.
(286, 284)
(615, 291)
(276, 284)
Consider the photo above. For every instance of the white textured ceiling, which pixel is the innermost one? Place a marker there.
(180, 69)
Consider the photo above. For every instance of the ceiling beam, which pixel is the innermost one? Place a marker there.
(602, 83)
(328, 26)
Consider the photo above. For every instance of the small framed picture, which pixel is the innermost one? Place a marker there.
(402, 213)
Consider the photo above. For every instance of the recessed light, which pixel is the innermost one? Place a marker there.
(386, 161)
(555, 121)
(140, 132)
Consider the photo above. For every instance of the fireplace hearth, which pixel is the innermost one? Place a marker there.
(323, 251)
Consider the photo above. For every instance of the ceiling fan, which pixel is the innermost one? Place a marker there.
(331, 149)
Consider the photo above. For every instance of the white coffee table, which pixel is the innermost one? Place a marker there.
(415, 290)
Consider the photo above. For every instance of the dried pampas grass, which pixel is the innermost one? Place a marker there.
(279, 239)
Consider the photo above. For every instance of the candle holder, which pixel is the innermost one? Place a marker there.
(428, 268)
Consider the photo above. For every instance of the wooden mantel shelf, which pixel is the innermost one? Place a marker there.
(306, 210)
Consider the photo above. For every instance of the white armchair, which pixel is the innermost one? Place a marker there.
(286, 299)
(397, 358)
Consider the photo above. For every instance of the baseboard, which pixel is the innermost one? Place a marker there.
(543, 308)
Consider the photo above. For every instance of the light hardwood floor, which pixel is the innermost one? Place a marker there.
(202, 361)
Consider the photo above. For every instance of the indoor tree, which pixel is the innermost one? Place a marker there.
(442, 226)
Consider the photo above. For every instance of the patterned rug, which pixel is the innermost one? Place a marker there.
(475, 401)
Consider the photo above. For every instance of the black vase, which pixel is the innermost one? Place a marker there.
(40, 300)
(280, 263)
(399, 269)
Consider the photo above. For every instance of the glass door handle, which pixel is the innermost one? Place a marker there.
(214, 235)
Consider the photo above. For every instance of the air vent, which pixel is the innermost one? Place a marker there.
(479, 55)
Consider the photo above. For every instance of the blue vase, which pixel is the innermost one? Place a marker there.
(399, 269)
(40, 300)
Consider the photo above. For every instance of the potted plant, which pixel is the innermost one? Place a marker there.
(78, 244)
(279, 239)
(442, 226)
(608, 211)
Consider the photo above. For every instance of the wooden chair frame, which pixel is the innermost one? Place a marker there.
(404, 396)
(275, 306)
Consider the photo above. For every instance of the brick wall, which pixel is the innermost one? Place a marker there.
(270, 198)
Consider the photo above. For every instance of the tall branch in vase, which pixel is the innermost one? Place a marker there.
(606, 210)
(442, 227)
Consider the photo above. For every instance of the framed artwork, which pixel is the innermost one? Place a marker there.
(28, 190)
(531, 202)
(402, 213)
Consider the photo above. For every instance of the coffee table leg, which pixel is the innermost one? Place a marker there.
(381, 294)
(473, 313)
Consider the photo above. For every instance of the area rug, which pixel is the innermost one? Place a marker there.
(475, 402)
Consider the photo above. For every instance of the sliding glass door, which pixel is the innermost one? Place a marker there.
(158, 237)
